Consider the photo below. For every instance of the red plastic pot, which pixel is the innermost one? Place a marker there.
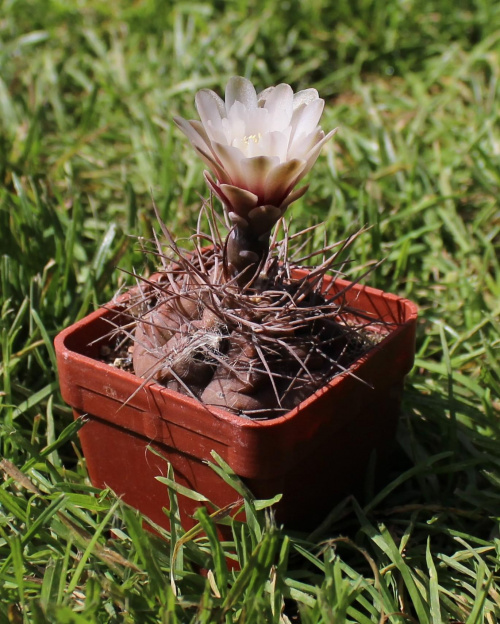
(313, 455)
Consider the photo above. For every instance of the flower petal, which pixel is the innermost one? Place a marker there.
(230, 159)
(210, 103)
(305, 120)
(263, 95)
(209, 160)
(305, 97)
(240, 90)
(270, 144)
(280, 179)
(236, 122)
(302, 147)
(198, 127)
(293, 196)
(314, 153)
(254, 172)
(211, 110)
(235, 215)
(192, 132)
(214, 187)
(279, 104)
(241, 200)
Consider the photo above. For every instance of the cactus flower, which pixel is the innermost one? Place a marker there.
(258, 147)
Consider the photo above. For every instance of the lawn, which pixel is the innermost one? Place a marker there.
(87, 95)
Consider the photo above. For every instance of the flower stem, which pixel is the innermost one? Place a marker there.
(244, 253)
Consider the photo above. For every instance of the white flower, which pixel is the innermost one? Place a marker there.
(257, 146)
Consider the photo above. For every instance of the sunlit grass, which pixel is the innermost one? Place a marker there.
(86, 140)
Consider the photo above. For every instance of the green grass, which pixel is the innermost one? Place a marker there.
(86, 101)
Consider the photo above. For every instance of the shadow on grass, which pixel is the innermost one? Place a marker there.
(441, 477)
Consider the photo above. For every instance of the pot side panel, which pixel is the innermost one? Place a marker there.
(129, 464)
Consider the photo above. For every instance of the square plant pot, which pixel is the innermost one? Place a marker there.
(314, 455)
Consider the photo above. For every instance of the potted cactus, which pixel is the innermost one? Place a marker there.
(292, 375)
